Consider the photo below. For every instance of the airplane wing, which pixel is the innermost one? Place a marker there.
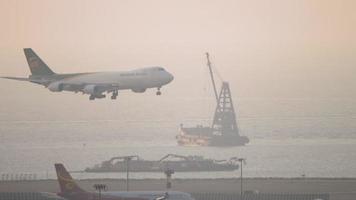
(37, 81)
(16, 78)
(100, 88)
(87, 88)
(94, 90)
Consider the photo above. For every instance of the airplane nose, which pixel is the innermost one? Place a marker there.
(170, 77)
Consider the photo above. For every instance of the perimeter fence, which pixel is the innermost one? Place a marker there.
(197, 196)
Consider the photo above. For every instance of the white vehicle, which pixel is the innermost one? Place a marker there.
(96, 83)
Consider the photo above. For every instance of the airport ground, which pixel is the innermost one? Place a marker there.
(339, 189)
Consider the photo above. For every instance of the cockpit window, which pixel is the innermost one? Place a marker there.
(160, 69)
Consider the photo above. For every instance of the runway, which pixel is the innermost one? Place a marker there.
(339, 189)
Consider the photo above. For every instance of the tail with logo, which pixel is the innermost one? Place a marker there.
(66, 182)
(37, 66)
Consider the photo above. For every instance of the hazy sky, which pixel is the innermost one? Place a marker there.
(268, 48)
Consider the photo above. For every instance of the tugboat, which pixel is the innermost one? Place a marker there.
(180, 164)
(224, 130)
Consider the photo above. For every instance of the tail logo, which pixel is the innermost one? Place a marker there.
(34, 62)
(69, 186)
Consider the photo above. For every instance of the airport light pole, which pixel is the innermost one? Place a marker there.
(100, 187)
(127, 159)
(242, 161)
(169, 173)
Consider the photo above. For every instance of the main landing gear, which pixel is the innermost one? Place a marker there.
(114, 94)
(158, 91)
(93, 97)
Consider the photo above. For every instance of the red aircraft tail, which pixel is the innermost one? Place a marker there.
(66, 182)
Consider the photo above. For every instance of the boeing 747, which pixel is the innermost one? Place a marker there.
(97, 83)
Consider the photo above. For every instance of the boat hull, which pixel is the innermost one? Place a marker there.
(203, 136)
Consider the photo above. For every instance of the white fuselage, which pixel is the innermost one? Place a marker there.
(135, 79)
(96, 83)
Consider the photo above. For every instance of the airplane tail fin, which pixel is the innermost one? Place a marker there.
(37, 66)
(65, 180)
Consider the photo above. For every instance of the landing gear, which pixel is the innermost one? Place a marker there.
(91, 97)
(158, 92)
(114, 94)
(98, 96)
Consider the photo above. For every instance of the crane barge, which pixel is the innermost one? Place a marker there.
(224, 130)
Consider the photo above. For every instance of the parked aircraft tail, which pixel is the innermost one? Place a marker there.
(37, 66)
(66, 182)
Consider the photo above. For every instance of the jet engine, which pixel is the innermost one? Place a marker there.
(139, 90)
(90, 89)
(56, 87)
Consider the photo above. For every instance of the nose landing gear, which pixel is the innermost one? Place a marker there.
(158, 91)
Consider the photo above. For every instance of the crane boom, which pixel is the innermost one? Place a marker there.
(122, 158)
(212, 76)
(173, 155)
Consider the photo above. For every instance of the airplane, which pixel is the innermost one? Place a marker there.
(95, 83)
(71, 191)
